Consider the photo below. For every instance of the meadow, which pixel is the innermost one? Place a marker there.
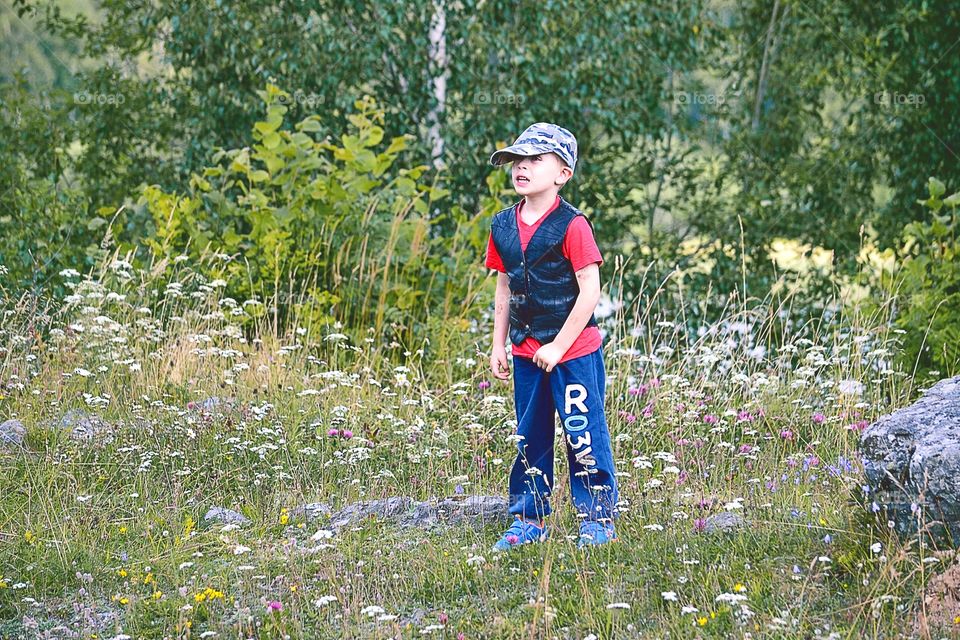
(150, 397)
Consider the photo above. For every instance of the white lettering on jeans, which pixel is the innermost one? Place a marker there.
(570, 400)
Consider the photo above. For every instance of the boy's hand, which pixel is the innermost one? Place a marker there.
(547, 356)
(499, 366)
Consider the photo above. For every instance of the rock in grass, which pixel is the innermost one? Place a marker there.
(223, 515)
(406, 512)
(723, 521)
(384, 509)
(912, 463)
(86, 427)
(311, 511)
(472, 510)
(12, 433)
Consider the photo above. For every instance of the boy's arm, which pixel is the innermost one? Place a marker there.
(588, 278)
(499, 366)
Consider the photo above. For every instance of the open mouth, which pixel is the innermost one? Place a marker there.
(522, 180)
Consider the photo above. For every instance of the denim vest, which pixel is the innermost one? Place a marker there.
(543, 285)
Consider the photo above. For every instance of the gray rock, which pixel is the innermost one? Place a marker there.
(723, 521)
(86, 427)
(12, 433)
(472, 510)
(311, 511)
(385, 509)
(912, 462)
(225, 516)
(405, 512)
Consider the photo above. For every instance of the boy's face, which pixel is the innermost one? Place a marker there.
(536, 174)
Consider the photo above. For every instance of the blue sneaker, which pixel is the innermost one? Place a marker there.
(594, 533)
(520, 532)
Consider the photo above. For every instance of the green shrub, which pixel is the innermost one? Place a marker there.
(324, 232)
(928, 286)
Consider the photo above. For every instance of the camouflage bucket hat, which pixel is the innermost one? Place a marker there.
(541, 137)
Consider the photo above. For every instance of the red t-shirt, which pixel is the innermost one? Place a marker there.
(580, 248)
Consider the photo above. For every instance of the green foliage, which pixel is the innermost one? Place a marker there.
(33, 254)
(328, 229)
(929, 284)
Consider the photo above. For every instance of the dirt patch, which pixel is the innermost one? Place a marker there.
(941, 602)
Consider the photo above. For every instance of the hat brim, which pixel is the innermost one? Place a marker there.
(509, 154)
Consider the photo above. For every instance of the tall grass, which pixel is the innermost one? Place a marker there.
(209, 401)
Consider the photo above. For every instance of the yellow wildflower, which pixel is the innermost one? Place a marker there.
(147, 579)
(29, 536)
(739, 588)
(200, 597)
(123, 528)
(157, 595)
(702, 620)
(122, 573)
(124, 600)
(209, 594)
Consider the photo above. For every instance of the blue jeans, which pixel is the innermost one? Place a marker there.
(576, 389)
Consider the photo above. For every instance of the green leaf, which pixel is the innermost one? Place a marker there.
(396, 145)
(271, 140)
(302, 140)
(373, 137)
(266, 127)
(952, 201)
(936, 187)
(309, 125)
(259, 175)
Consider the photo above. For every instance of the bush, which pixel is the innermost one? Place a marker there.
(325, 232)
(928, 285)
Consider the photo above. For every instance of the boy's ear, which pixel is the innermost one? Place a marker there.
(565, 174)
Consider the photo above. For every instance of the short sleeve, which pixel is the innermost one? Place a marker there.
(579, 245)
(493, 256)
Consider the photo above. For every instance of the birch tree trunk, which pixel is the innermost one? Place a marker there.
(439, 72)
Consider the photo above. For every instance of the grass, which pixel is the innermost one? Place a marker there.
(754, 414)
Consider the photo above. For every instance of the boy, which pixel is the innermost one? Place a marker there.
(547, 289)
